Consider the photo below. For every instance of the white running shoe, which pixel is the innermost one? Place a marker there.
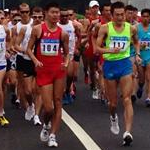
(44, 135)
(36, 120)
(30, 112)
(127, 138)
(95, 94)
(52, 141)
(114, 125)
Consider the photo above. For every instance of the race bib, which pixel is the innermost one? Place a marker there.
(49, 47)
(120, 42)
(2, 44)
(146, 43)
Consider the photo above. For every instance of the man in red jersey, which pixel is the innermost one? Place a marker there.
(50, 68)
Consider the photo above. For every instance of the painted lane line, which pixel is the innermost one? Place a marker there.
(84, 138)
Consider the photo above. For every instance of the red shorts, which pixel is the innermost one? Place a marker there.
(47, 76)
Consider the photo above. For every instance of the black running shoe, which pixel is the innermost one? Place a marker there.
(139, 93)
(127, 138)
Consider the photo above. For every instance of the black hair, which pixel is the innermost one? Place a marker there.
(52, 4)
(105, 5)
(135, 9)
(117, 5)
(146, 10)
(129, 7)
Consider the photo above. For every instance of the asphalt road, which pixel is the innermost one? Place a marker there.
(90, 114)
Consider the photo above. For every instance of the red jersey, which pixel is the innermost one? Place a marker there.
(48, 48)
(89, 51)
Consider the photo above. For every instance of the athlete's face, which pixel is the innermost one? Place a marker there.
(106, 11)
(53, 15)
(64, 17)
(37, 17)
(129, 15)
(145, 18)
(25, 12)
(119, 15)
(2, 18)
(94, 10)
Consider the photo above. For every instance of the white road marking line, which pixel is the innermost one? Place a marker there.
(84, 138)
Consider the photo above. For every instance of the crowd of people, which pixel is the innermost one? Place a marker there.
(40, 54)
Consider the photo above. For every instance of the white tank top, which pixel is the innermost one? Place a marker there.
(19, 26)
(25, 41)
(69, 28)
(2, 46)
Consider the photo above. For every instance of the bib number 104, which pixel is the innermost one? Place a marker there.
(49, 49)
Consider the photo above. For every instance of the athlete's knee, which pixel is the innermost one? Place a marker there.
(127, 101)
(113, 105)
(28, 91)
(48, 108)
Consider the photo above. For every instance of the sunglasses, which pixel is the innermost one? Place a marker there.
(37, 17)
(64, 15)
(17, 20)
(24, 12)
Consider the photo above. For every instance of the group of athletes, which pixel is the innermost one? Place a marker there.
(40, 52)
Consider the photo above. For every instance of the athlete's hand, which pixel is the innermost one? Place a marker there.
(7, 55)
(138, 59)
(64, 66)
(38, 63)
(114, 50)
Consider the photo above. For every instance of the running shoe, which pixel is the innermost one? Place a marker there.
(127, 138)
(139, 92)
(36, 120)
(44, 135)
(147, 102)
(95, 94)
(52, 141)
(114, 125)
(3, 121)
(30, 112)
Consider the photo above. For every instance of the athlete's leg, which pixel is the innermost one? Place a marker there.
(58, 93)
(47, 98)
(126, 84)
(2, 75)
(111, 92)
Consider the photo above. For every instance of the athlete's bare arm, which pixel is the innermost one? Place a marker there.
(19, 39)
(100, 40)
(78, 35)
(8, 38)
(35, 34)
(136, 43)
(95, 35)
(65, 46)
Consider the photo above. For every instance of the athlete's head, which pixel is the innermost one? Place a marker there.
(94, 7)
(64, 16)
(13, 11)
(37, 15)
(24, 10)
(2, 18)
(145, 16)
(129, 9)
(71, 14)
(106, 10)
(16, 18)
(118, 12)
(52, 12)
